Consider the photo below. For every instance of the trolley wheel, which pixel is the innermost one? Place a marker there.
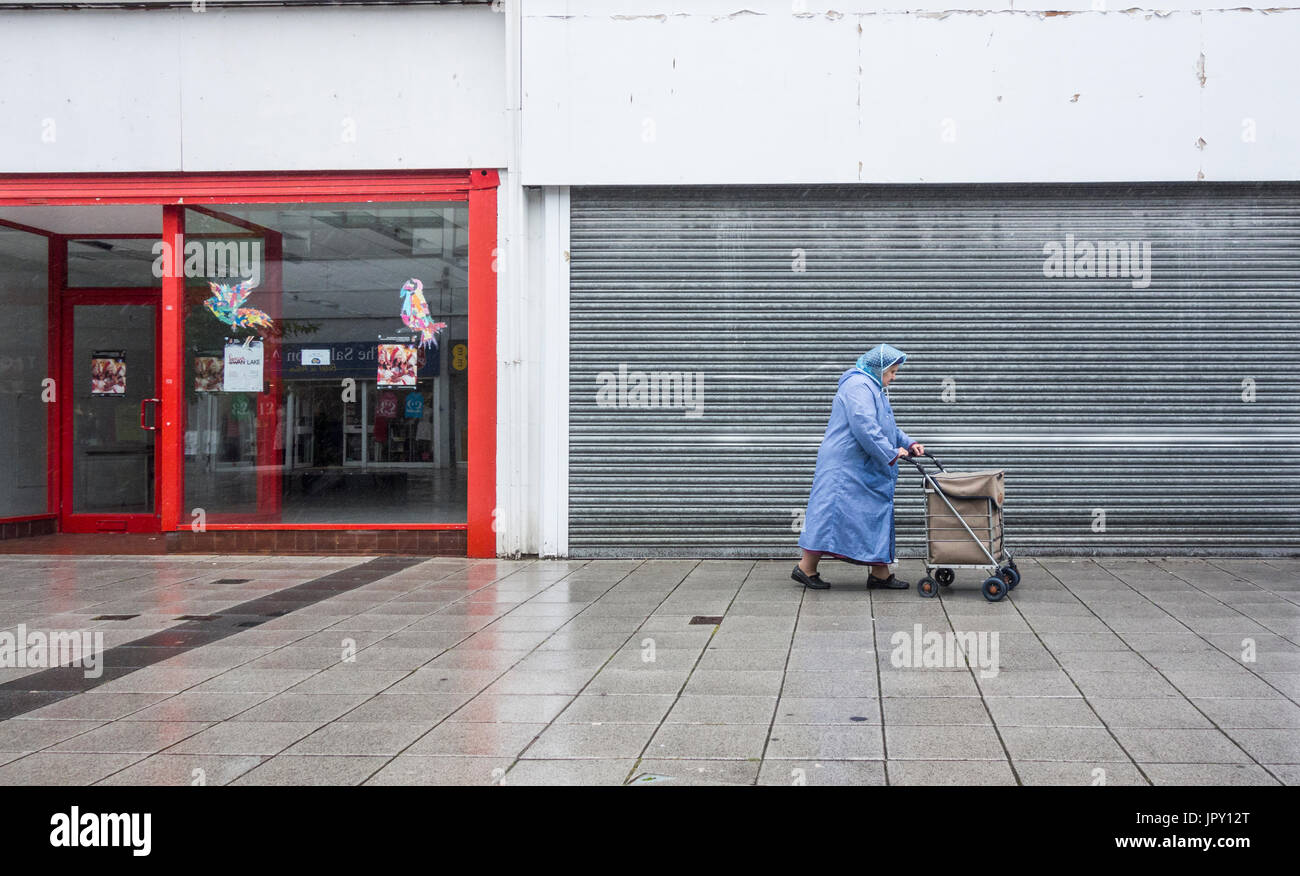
(945, 577)
(1012, 576)
(927, 587)
(994, 589)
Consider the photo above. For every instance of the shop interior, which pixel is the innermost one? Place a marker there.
(292, 413)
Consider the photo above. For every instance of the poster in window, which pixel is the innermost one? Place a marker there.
(242, 367)
(208, 373)
(108, 372)
(240, 408)
(385, 412)
(414, 406)
(398, 364)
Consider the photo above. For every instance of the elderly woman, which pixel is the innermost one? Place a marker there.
(851, 508)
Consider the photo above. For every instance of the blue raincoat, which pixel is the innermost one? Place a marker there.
(851, 508)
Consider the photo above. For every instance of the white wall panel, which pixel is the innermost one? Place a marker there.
(390, 87)
(257, 89)
(1251, 121)
(95, 93)
(1015, 98)
(770, 92)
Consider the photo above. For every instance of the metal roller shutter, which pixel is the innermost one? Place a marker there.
(1097, 397)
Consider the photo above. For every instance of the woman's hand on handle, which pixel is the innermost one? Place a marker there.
(902, 453)
(917, 448)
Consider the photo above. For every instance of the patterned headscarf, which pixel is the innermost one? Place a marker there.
(874, 362)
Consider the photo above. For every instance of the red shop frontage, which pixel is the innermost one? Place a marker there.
(252, 362)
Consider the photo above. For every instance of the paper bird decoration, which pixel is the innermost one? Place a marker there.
(415, 312)
(224, 305)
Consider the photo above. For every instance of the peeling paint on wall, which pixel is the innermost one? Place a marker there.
(939, 15)
(735, 14)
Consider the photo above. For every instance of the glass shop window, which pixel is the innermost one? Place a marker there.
(326, 363)
(24, 364)
(114, 262)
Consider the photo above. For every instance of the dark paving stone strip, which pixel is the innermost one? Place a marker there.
(50, 685)
(16, 702)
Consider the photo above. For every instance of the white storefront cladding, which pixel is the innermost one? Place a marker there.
(567, 93)
(228, 89)
(708, 92)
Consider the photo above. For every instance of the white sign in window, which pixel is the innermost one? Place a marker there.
(242, 368)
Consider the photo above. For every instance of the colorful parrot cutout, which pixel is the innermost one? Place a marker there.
(224, 305)
(415, 312)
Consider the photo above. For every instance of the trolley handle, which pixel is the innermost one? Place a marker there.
(913, 457)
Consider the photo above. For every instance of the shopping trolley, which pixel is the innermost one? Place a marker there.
(963, 529)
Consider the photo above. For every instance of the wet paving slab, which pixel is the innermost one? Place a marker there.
(395, 670)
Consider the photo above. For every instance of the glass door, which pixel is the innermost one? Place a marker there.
(110, 411)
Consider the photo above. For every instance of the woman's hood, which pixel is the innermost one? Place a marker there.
(874, 362)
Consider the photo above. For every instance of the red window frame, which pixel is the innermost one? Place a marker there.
(174, 191)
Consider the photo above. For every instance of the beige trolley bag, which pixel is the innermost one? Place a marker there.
(963, 529)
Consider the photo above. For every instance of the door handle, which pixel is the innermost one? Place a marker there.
(143, 402)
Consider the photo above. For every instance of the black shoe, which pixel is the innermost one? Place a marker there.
(813, 581)
(892, 582)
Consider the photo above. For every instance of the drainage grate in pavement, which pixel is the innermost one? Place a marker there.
(706, 619)
(114, 616)
(232, 581)
(250, 623)
(198, 617)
